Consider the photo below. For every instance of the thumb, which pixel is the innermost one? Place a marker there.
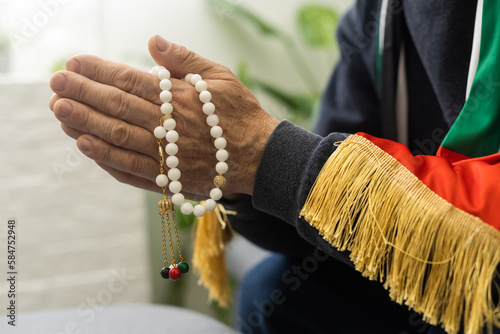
(179, 60)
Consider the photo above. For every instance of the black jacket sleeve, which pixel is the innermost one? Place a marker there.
(293, 157)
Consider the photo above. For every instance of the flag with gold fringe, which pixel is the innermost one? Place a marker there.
(428, 227)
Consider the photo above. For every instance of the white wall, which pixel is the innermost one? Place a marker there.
(77, 230)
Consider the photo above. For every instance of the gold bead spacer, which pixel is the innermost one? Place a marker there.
(219, 181)
(165, 117)
(165, 205)
(162, 157)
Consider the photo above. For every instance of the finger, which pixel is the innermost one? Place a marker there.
(181, 61)
(114, 131)
(107, 99)
(131, 179)
(73, 133)
(119, 158)
(53, 100)
(124, 77)
(139, 182)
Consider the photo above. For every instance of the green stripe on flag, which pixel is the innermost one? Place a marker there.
(476, 132)
(380, 43)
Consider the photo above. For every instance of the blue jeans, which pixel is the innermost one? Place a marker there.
(317, 294)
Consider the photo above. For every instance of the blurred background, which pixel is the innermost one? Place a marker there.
(79, 231)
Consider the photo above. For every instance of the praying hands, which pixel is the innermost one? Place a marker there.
(112, 109)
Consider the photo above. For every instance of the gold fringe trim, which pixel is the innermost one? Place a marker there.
(431, 256)
(212, 232)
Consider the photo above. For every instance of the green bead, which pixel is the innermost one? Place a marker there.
(183, 266)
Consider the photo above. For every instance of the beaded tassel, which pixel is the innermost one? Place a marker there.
(167, 211)
(167, 214)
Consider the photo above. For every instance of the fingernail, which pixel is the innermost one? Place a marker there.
(73, 65)
(59, 82)
(161, 43)
(85, 145)
(64, 109)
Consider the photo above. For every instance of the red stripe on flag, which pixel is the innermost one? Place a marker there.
(470, 184)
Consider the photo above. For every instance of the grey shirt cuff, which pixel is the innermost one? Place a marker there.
(280, 170)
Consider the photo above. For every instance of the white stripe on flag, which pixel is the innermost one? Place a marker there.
(476, 45)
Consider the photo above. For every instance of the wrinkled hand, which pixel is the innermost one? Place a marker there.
(112, 109)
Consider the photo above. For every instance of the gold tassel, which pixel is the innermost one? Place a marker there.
(431, 256)
(212, 232)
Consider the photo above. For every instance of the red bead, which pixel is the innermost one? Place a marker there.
(174, 274)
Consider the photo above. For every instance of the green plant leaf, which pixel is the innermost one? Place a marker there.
(58, 66)
(242, 73)
(225, 7)
(264, 27)
(184, 221)
(317, 24)
(301, 106)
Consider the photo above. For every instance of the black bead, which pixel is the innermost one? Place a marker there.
(164, 273)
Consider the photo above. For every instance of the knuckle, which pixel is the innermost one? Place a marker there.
(102, 153)
(101, 71)
(134, 165)
(127, 79)
(184, 55)
(119, 134)
(183, 100)
(116, 103)
(83, 89)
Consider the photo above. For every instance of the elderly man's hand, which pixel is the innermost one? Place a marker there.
(112, 109)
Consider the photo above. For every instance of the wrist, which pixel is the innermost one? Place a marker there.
(249, 151)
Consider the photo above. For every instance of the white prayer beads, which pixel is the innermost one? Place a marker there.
(167, 131)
